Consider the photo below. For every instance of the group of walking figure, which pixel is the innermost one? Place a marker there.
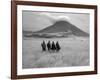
(50, 46)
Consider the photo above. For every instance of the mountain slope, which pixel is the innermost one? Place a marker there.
(63, 26)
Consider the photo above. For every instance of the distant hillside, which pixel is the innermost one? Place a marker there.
(63, 26)
(58, 29)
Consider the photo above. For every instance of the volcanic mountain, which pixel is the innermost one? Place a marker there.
(60, 29)
(63, 26)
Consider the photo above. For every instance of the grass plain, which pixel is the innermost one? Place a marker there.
(74, 52)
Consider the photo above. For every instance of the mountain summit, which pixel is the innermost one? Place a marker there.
(63, 26)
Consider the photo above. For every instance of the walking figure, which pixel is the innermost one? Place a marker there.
(53, 46)
(43, 46)
(49, 46)
(57, 46)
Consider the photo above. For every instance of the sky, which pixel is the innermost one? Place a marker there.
(35, 21)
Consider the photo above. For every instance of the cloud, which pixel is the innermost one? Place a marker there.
(63, 18)
(53, 17)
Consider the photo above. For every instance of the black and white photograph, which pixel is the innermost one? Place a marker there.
(55, 39)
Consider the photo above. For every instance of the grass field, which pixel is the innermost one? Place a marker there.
(74, 52)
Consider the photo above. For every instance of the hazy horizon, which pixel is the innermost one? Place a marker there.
(35, 21)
